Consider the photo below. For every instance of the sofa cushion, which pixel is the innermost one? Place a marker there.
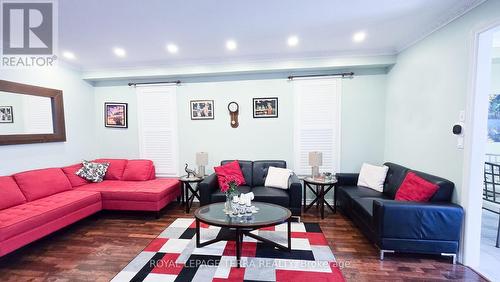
(10, 194)
(359, 192)
(260, 169)
(21, 218)
(74, 179)
(246, 169)
(271, 195)
(415, 188)
(36, 184)
(218, 196)
(115, 169)
(147, 191)
(394, 178)
(229, 172)
(363, 207)
(138, 170)
(152, 176)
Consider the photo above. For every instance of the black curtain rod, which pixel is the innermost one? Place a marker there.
(342, 74)
(156, 82)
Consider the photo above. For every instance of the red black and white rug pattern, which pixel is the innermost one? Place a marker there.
(173, 256)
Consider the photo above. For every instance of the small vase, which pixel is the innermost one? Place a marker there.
(228, 208)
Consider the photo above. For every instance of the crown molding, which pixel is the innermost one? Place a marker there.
(444, 21)
(243, 67)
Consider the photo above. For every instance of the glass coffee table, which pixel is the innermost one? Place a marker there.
(267, 215)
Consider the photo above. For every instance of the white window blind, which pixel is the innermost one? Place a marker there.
(157, 116)
(317, 123)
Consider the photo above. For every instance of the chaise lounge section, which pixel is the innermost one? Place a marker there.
(36, 203)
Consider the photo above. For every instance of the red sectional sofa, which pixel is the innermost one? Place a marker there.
(36, 203)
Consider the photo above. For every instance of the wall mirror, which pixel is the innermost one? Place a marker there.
(30, 114)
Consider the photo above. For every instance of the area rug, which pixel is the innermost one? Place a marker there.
(173, 256)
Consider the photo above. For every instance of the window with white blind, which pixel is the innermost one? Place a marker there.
(157, 116)
(317, 123)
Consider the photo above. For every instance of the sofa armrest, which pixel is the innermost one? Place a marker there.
(413, 220)
(207, 187)
(295, 191)
(347, 179)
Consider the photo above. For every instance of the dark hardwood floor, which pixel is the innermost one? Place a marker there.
(97, 248)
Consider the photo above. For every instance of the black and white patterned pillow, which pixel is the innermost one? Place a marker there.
(93, 171)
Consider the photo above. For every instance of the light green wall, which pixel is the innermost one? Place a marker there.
(363, 103)
(116, 142)
(363, 121)
(427, 89)
(79, 114)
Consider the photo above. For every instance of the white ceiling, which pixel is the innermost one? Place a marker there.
(91, 28)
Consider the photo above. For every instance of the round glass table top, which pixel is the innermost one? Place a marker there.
(321, 181)
(267, 215)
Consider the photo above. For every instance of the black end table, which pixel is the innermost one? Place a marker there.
(186, 187)
(268, 215)
(321, 187)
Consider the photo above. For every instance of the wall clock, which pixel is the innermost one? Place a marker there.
(234, 110)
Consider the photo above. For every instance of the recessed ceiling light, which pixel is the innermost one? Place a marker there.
(293, 40)
(359, 36)
(172, 48)
(120, 52)
(231, 45)
(69, 55)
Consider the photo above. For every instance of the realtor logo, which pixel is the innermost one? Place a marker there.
(28, 33)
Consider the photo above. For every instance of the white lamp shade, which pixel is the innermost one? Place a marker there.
(201, 158)
(315, 158)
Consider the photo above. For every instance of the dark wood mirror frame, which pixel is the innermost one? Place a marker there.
(58, 125)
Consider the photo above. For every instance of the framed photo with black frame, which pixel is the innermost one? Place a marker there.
(116, 115)
(202, 109)
(6, 114)
(265, 107)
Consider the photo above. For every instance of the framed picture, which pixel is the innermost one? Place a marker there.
(494, 118)
(202, 109)
(116, 115)
(6, 114)
(265, 107)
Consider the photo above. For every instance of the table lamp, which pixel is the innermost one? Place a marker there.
(201, 162)
(315, 160)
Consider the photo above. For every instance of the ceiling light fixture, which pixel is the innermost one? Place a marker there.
(359, 36)
(293, 41)
(231, 45)
(172, 48)
(120, 52)
(69, 55)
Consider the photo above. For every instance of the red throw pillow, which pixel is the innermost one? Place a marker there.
(230, 170)
(138, 170)
(115, 169)
(415, 188)
(75, 180)
(10, 194)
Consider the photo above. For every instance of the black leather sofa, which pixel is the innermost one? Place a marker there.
(255, 173)
(398, 226)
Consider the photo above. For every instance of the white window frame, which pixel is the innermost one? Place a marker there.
(336, 84)
(164, 90)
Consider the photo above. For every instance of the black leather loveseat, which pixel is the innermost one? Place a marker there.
(398, 226)
(255, 173)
